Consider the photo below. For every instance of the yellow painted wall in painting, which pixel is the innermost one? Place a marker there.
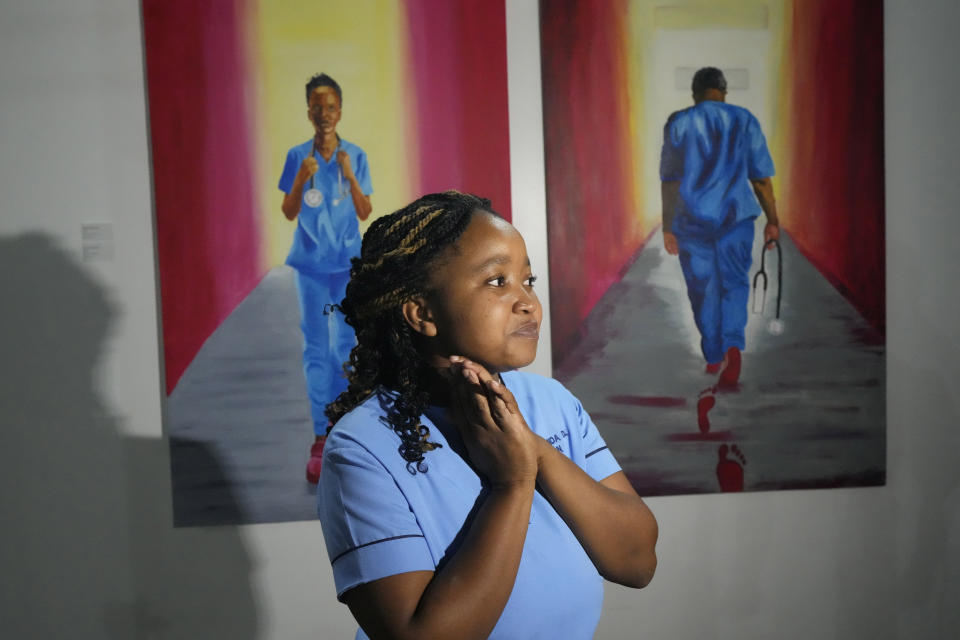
(361, 44)
(781, 141)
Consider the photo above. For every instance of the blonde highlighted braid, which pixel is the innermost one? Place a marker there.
(396, 263)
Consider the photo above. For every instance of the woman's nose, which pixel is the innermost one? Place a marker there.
(526, 302)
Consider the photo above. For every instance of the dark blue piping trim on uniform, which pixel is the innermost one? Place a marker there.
(367, 544)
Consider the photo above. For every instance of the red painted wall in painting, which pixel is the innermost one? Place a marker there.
(207, 239)
(835, 203)
(593, 231)
(459, 67)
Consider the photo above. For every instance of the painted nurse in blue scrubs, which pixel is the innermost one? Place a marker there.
(326, 186)
(715, 173)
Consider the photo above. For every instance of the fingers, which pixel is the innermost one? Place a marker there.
(482, 374)
(310, 166)
(670, 244)
(493, 386)
(500, 397)
(469, 394)
(500, 403)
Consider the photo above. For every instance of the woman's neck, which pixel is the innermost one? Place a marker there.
(437, 385)
(438, 381)
(326, 145)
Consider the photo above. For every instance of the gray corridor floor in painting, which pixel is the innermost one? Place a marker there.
(809, 412)
(242, 404)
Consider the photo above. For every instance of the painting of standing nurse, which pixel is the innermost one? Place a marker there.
(716, 229)
(326, 197)
(247, 97)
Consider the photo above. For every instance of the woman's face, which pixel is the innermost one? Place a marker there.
(323, 110)
(483, 304)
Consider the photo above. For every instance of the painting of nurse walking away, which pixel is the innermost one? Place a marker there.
(715, 207)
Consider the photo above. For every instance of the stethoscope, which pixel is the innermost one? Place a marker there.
(313, 197)
(761, 275)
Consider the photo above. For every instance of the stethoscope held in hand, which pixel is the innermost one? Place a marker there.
(776, 325)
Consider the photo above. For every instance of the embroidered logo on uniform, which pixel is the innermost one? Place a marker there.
(557, 438)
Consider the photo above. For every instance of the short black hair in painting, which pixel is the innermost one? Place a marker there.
(323, 80)
(708, 78)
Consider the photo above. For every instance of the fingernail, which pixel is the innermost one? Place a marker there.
(456, 358)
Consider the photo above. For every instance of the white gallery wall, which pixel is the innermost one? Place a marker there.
(86, 544)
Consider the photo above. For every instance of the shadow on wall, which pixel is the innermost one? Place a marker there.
(87, 545)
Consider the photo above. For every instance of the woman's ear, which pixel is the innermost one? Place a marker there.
(418, 315)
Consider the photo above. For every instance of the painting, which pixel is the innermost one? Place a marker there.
(715, 210)
(279, 130)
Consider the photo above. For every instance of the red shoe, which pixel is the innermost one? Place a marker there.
(730, 375)
(316, 459)
(713, 368)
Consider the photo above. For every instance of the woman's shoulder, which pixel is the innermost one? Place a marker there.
(302, 150)
(350, 147)
(550, 409)
(365, 425)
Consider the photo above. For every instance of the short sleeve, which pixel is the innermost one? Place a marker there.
(368, 527)
(671, 156)
(290, 168)
(598, 462)
(759, 162)
(363, 174)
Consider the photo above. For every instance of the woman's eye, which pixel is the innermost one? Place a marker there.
(530, 280)
(499, 281)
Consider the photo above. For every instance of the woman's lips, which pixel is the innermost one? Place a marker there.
(528, 330)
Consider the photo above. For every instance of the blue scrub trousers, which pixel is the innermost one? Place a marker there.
(327, 340)
(717, 271)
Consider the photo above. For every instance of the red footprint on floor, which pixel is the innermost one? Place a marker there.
(730, 472)
(704, 405)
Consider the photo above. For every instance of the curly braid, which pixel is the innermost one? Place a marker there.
(395, 265)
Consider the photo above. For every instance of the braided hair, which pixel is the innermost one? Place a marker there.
(395, 265)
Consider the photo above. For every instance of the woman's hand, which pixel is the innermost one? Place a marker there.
(500, 444)
(308, 167)
(466, 595)
(343, 159)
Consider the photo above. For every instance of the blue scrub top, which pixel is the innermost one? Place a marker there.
(379, 519)
(327, 235)
(714, 149)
